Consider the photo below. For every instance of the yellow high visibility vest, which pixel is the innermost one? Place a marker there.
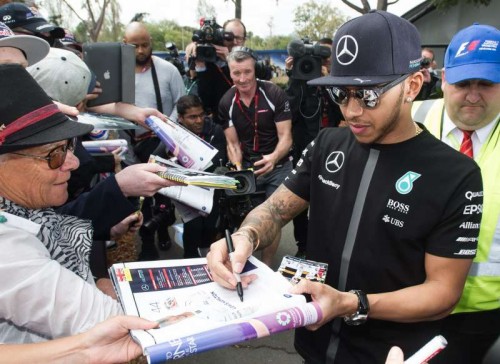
(482, 288)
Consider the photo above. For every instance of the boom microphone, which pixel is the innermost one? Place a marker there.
(296, 48)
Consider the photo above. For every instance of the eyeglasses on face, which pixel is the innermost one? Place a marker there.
(368, 98)
(56, 157)
(239, 39)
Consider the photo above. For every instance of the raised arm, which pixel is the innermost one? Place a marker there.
(431, 300)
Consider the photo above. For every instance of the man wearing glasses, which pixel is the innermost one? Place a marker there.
(213, 77)
(386, 201)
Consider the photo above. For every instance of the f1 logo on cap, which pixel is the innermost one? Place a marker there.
(347, 49)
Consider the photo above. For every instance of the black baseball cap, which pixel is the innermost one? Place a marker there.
(18, 15)
(373, 49)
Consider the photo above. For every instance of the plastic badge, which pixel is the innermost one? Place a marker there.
(296, 269)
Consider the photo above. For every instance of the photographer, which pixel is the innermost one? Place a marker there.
(431, 88)
(213, 77)
(200, 232)
(311, 111)
(257, 124)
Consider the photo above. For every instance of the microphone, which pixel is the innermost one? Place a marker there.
(296, 48)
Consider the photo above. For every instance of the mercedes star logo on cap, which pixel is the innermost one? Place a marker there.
(347, 50)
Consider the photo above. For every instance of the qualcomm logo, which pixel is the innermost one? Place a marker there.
(347, 50)
(404, 185)
(335, 161)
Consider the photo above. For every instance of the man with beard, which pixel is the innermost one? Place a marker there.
(158, 84)
(386, 203)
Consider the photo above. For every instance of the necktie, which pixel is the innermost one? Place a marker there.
(466, 146)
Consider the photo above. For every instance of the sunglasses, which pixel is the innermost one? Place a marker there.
(368, 98)
(56, 157)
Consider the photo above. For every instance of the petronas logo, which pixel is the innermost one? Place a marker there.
(404, 185)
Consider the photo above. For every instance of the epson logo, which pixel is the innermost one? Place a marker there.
(463, 239)
(469, 195)
(466, 252)
(469, 225)
(398, 206)
(473, 209)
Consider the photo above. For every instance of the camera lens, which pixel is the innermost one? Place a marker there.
(306, 67)
(242, 184)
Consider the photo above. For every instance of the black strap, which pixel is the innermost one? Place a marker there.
(352, 231)
(159, 105)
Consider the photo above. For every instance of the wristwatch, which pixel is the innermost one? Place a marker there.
(361, 315)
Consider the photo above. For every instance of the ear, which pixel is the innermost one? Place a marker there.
(413, 85)
(443, 79)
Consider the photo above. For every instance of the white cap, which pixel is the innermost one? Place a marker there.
(63, 76)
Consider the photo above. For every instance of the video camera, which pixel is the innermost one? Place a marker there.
(236, 204)
(425, 62)
(307, 58)
(174, 57)
(210, 33)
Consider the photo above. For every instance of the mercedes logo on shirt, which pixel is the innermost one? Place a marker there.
(347, 50)
(334, 162)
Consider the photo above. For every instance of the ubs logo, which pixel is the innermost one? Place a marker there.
(335, 161)
(346, 50)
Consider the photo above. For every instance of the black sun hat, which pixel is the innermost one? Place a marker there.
(29, 117)
(18, 15)
(373, 49)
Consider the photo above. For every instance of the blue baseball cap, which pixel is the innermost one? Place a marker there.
(473, 53)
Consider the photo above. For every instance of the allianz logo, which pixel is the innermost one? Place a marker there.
(469, 225)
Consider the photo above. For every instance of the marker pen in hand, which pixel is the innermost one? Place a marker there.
(230, 249)
(428, 351)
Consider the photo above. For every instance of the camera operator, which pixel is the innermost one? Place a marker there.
(311, 111)
(175, 58)
(431, 88)
(213, 77)
(257, 125)
(200, 232)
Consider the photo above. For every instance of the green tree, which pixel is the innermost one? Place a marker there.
(169, 31)
(317, 20)
(276, 42)
(93, 16)
(384, 4)
(205, 10)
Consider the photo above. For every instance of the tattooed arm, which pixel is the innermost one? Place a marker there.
(257, 231)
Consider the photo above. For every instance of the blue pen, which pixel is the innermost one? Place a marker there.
(230, 249)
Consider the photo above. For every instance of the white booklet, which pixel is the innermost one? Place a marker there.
(190, 150)
(199, 198)
(196, 314)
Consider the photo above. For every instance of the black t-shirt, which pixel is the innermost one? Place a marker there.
(418, 201)
(272, 107)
